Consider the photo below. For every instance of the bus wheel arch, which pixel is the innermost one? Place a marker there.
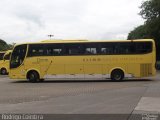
(33, 76)
(117, 74)
(3, 71)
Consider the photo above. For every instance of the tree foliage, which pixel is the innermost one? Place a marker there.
(138, 32)
(150, 11)
(4, 46)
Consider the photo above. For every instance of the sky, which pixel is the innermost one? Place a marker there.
(33, 20)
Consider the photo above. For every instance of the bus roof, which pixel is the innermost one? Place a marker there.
(86, 41)
(74, 41)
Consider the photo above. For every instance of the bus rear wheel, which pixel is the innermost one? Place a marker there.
(3, 71)
(117, 75)
(33, 76)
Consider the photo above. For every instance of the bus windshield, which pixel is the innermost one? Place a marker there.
(18, 56)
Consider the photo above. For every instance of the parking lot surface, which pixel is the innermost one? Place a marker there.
(132, 96)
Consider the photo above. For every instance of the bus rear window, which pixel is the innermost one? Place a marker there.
(143, 47)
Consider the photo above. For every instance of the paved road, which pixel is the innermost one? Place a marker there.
(81, 97)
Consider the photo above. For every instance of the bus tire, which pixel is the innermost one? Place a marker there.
(117, 75)
(33, 76)
(3, 71)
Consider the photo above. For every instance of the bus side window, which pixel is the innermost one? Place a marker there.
(53, 49)
(49, 51)
(90, 51)
(143, 47)
(73, 49)
(125, 48)
(103, 50)
(36, 50)
(57, 51)
(91, 48)
(106, 48)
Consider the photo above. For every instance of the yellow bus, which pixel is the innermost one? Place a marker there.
(83, 59)
(1, 56)
(4, 64)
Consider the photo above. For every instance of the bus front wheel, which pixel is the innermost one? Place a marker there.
(3, 71)
(33, 76)
(117, 75)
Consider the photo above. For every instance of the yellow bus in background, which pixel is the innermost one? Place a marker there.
(4, 64)
(1, 56)
(83, 59)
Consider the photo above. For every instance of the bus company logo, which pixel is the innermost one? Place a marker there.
(111, 59)
(92, 59)
(149, 116)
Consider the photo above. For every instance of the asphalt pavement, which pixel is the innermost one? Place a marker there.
(98, 97)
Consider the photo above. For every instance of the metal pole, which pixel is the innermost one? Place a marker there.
(50, 36)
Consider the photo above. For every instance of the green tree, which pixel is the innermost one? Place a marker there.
(4, 46)
(138, 32)
(150, 11)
